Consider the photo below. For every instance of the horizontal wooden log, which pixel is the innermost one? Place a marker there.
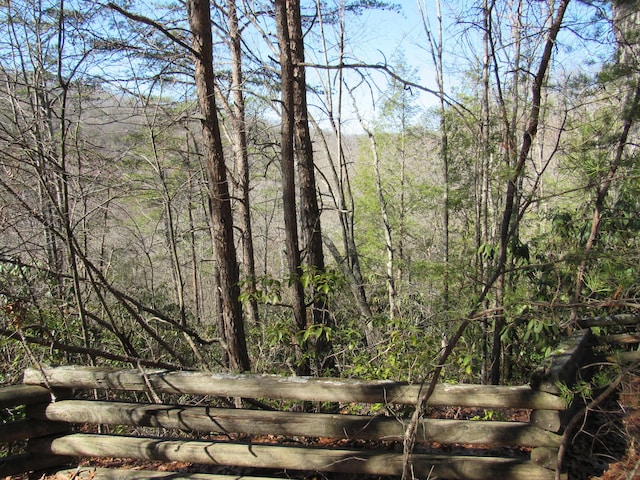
(92, 473)
(624, 357)
(619, 339)
(609, 320)
(15, 395)
(27, 462)
(280, 457)
(256, 422)
(563, 364)
(293, 388)
(25, 429)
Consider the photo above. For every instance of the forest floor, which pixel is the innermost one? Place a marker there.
(607, 447)
(627, 420)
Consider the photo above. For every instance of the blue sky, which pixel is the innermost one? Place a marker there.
(393, 34)
(379, 36)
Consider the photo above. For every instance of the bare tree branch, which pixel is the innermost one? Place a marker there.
(147, 21)
(389, 71)
(92, 352)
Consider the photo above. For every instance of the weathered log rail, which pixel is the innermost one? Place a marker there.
(52, 439)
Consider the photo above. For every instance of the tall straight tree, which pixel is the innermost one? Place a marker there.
(309, 210)
(435, 47)
(483, 163)
(511, 215)
(238, 119)
(339, 170)
(219, 199)
(287, 154)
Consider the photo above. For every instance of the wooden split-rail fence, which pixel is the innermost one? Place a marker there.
(71, 412)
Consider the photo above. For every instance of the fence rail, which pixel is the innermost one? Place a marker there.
(197, 425)
(291, 388)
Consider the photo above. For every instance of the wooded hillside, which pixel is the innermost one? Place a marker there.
(230, 186)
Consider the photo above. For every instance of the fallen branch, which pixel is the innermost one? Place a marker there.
(93, 352)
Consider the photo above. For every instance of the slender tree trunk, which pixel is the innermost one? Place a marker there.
(343, 198)
(507, 225)
(435, 46)
(170, 232)
(444, 153)
(219, 198)
(195, 268)
(309, 210)
(386, 224)
(482, 179)
(242, 159)
(388, 238)
(287, 154)
(402, 203)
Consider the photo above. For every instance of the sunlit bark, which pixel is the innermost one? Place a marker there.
(287, 153)
(219, 198)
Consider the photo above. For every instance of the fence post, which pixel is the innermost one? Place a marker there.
(563, 367)
(15, 432)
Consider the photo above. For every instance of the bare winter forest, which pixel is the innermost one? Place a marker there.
(238, 186)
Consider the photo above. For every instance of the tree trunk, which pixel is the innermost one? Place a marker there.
(437, 58)
(219, 198)
(386, 224)
(341, 189)
(309, 211)
(388, 238)
(242, 159)
(482, 179)
(195, 275)
(287, 155)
